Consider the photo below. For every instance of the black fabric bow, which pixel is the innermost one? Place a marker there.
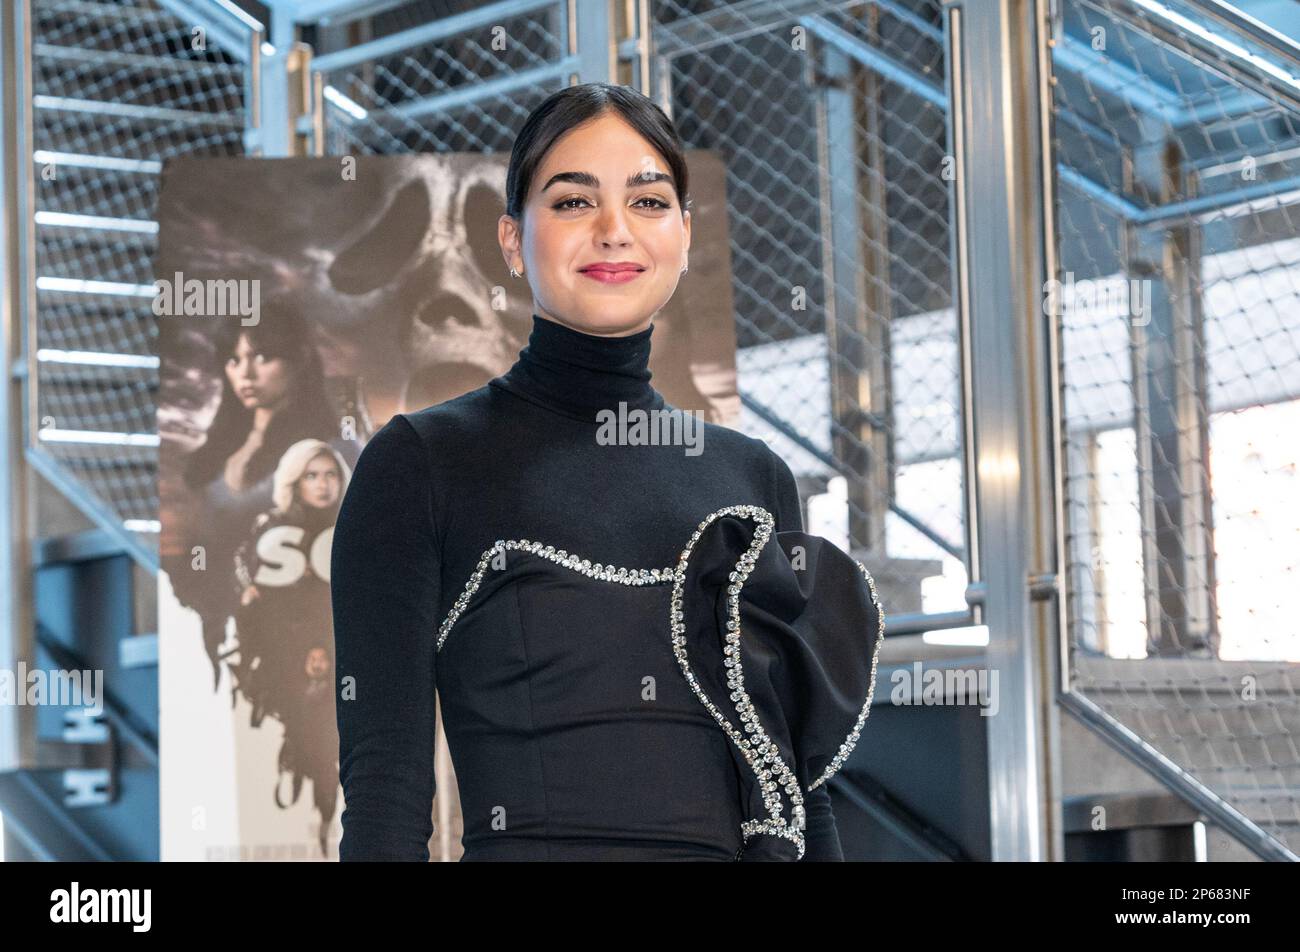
(810, 628)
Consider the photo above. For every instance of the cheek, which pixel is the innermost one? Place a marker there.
(666, 244)
(275, 376)
(554, 246)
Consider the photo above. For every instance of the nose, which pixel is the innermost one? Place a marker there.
(612, 226)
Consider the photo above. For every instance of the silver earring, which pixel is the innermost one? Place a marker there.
(685, 269)
(514, 273)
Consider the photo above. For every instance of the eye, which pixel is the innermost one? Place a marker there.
(564, 205)
(655, 202)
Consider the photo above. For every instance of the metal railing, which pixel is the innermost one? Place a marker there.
(1178, 129)
(114, 91)
(891, 291)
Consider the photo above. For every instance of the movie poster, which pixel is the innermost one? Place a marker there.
(300, 304)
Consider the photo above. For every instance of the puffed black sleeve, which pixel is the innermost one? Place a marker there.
(821, 837)
(384, 581)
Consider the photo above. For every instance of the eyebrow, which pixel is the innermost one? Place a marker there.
(589, 180)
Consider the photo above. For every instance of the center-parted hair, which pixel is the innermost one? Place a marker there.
(565, 110)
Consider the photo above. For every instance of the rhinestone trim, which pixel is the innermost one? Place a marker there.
(598, 570)
(851, 741)
(759, 751)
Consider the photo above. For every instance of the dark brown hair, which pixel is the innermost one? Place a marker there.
(567, 109)
(285, 333)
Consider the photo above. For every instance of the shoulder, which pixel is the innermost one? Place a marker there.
(442, 427)
(749, 452)
(767, 474)
(425, 451)
(465, 417)
(742, 447)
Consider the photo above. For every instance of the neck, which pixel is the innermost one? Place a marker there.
(577, 374)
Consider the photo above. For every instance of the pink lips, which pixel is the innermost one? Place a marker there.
(618, 272)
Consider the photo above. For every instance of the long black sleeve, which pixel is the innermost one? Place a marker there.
(821, 837)
(384, 582)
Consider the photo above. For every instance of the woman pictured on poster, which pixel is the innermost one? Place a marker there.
(272, 395)
(638, 652)
(284, 625)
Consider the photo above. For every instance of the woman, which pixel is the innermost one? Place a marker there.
(272, 395)
(286, 645)
(594, 702)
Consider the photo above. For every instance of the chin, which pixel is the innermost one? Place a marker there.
(599, 317)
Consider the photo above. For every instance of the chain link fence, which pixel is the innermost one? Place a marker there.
(1178, 142)
(401, 82)
(115, 90)
(1177, 151)
(883, 463)
(837, 207)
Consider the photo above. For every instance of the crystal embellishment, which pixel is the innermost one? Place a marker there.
(606, 573)
(758, 749)
(851, 741)
(751, 739)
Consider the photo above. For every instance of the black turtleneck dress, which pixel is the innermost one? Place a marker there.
(573, 733)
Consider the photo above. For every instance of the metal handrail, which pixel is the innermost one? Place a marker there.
(1175, 778)
(1243, 24)
(1143, 16)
